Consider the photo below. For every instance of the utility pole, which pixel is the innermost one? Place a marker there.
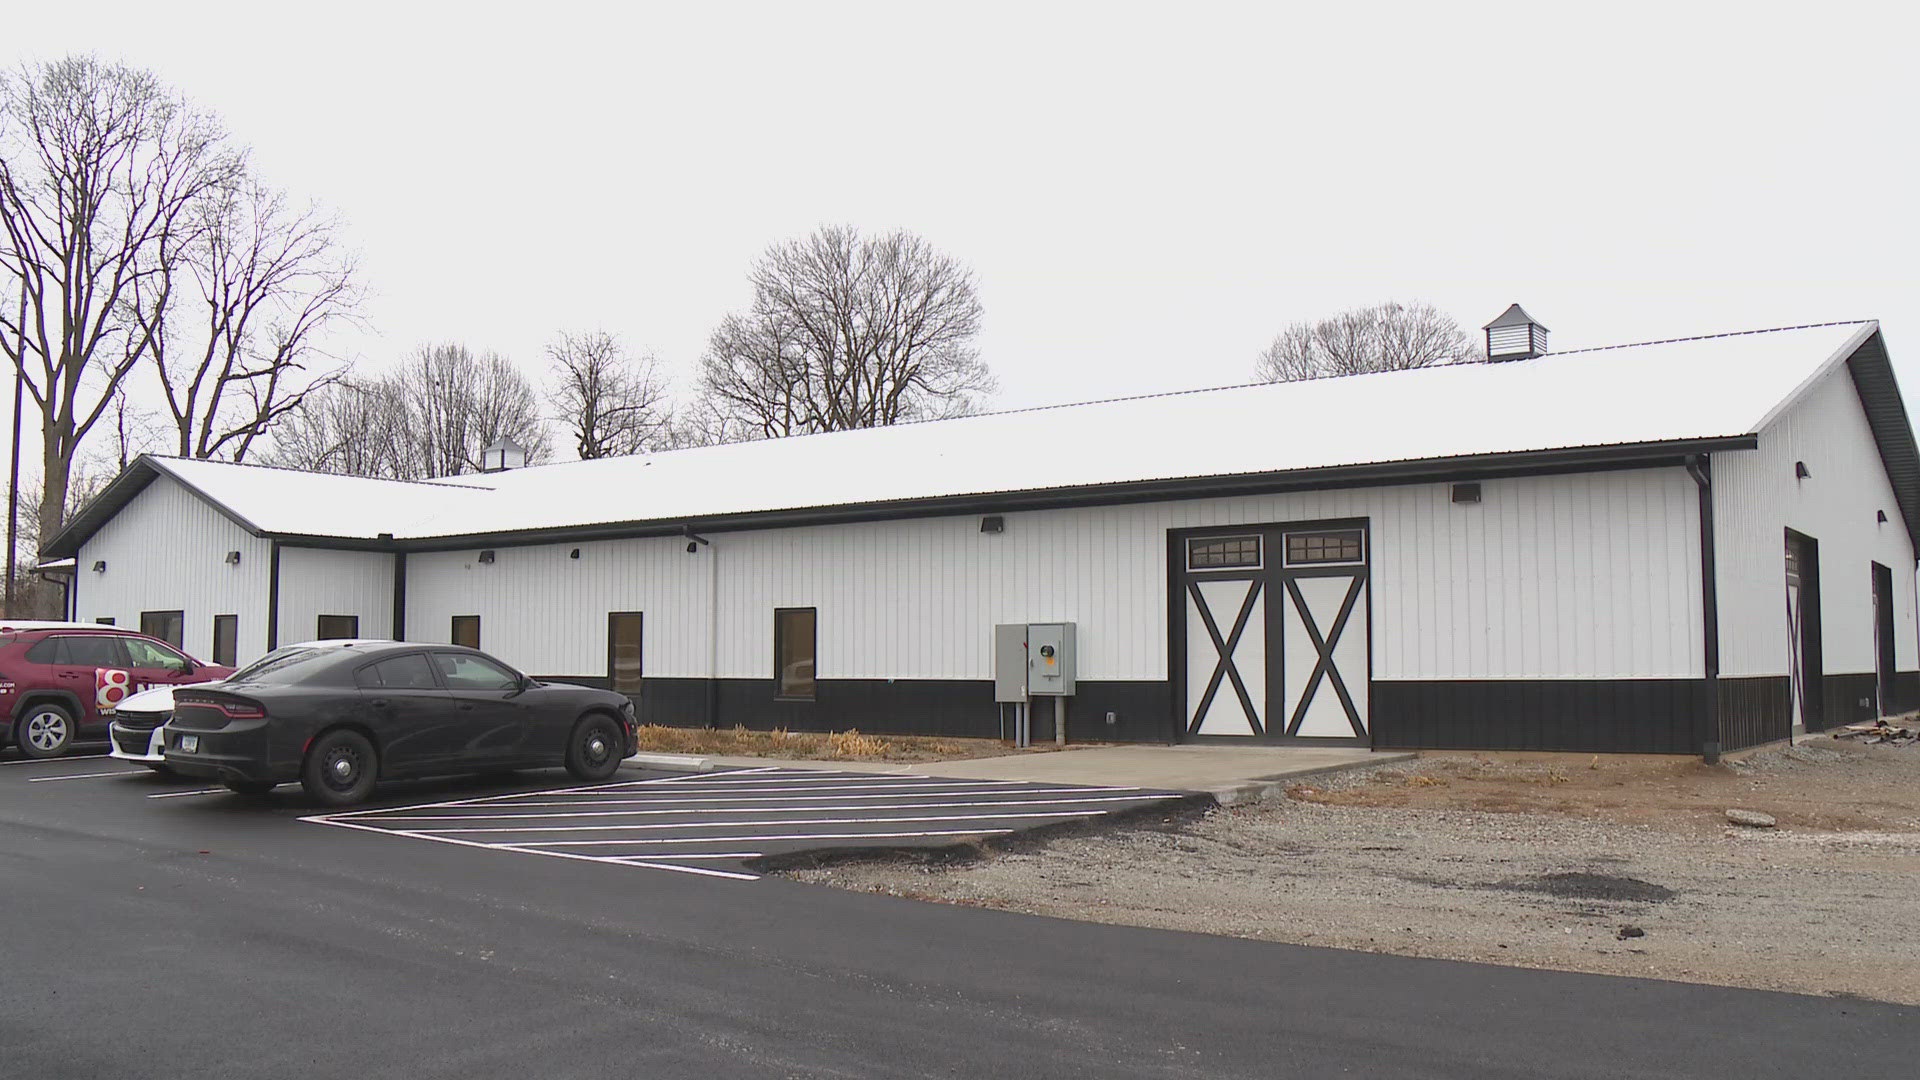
(13, 460)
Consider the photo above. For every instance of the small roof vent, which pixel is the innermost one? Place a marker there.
(1515, 335)
(501, 456)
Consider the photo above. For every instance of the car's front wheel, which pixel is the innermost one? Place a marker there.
(46, 731)
(340, 769)
(593, 750)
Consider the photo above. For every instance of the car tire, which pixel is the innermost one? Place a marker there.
(593, 750)
(45, 730)
(250, 788)
(340, 768)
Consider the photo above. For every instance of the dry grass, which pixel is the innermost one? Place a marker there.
(849, 745)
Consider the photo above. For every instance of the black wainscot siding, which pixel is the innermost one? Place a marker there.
(950, 707)
(1646, 716)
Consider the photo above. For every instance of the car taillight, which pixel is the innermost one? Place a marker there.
(242, 712)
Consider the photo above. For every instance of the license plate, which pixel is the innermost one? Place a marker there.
(189, 744)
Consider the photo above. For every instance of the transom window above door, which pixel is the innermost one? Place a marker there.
(1223, 553)
(1325, 546)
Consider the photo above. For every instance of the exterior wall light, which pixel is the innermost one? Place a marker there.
(993, 523)
(1800, 470)
(486, 556)
(574, 554)
(1880, 517)
(100, 566)
(1466, 493)
(233, 558)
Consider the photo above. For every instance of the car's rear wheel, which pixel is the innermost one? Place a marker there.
(253, 788)
(593, 750)
(46, 731)
(340, 769)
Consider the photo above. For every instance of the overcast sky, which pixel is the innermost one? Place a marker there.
(1146, 193)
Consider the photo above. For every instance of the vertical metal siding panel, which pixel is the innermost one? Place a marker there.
(166, 551)
(1757, 497)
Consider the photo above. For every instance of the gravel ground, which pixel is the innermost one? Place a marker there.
(1633, 872)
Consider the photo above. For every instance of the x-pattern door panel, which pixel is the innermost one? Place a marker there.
(1226, 657)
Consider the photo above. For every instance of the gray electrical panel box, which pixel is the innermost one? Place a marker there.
(1050, 659)
(1010, 662)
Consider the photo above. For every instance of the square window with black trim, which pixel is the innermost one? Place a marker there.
(334, 627)
(794, 639)
(1328, 546)
(466, 631)
(168, 626)
(226, 639)
(1223, 553)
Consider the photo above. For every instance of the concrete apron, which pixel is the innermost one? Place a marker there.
(1231, 774)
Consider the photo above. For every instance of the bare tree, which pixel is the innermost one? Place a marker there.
(612, 404)
(847, 332)
(351, 427)
(98, 163)
(234, 312)
(1385, 337)
(431, 416)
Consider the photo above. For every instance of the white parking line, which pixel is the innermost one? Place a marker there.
(753, 824)
(184, 794)
(55, 760)
(844, 786)
(511, 795)
(535, 847)
(721, 779)
(87, 776)
(701, 870)
(763, 809)
(784, 798)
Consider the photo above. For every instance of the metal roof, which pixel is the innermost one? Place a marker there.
(1619, 404)
(1515, 315)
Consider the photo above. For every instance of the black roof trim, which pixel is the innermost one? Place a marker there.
(1481, 466)
(1879, 391)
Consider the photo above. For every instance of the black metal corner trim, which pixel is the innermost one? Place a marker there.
(273, 596)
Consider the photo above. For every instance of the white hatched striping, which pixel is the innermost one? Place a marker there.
(751, 824)
(666, 823)
(742, 839)
(756, 809)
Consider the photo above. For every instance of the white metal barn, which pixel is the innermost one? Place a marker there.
(1667, 547)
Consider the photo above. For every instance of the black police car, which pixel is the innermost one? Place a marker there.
(337, 716)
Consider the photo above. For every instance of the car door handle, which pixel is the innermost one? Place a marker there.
(466, 706)
(378, 703)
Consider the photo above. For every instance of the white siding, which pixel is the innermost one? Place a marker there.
(1757, 497)
(166, 551)
(320, 581)
(1586, 576)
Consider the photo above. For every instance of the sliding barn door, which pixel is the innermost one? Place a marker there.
(1273, 628)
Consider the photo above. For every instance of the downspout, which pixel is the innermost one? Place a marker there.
(1700, 467)
(713, 635)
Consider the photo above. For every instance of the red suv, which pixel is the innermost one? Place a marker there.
(59, 682)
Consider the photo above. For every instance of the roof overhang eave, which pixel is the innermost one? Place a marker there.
(1481, 466)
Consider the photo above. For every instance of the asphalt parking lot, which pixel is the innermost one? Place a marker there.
(716, 824)
(163, 928)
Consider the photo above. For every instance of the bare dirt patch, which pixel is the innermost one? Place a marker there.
(849, 745)
(1616, 865)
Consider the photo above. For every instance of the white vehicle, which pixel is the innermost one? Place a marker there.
(137, 731)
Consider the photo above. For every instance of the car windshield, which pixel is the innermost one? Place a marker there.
(281, 666)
